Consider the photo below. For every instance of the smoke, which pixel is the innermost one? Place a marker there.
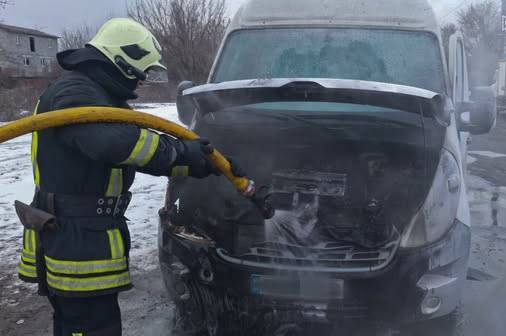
(294, 226)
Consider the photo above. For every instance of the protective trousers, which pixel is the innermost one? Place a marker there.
(91, 316)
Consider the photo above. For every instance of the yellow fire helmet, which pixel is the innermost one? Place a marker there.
(132, 48)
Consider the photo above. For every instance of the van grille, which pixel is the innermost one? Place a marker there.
(326, 256)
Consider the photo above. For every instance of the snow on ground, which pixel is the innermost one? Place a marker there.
(471, 159)
(489, 154)
(16, 183)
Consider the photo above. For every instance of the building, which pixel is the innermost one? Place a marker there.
(26, 52)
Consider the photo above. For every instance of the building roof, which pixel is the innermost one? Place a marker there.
(402, 14)
(26, 31)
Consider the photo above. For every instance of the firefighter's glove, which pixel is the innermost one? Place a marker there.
(235, 168)
(192, 159)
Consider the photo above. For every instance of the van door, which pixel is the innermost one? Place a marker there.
(460, 93)
(459, 80)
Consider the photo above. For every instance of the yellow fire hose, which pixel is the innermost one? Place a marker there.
(88, 115)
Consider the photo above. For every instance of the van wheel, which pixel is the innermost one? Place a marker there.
(184, 325)
(449, 325)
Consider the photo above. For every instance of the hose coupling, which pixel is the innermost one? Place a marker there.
(250, 190)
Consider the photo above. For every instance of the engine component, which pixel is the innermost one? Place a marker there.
(206, 273)
(348, 206)
(290, 188)
(202, 310)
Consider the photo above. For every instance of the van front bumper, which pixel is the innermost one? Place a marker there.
(418, 284)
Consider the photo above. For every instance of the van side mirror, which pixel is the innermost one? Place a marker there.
(480, 114)
(185, 110)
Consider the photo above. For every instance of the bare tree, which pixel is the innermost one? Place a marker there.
(481, 26)
(4, 3)
(189, 31)
(77, 37)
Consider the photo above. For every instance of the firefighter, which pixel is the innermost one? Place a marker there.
(83, 173)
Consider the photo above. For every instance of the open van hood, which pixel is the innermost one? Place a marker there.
(210, 98)
(332, 178)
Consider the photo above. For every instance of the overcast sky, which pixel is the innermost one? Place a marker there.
(54, 15)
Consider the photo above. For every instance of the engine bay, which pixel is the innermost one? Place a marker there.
(349, 189)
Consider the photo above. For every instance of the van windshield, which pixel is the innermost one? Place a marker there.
(397, 57)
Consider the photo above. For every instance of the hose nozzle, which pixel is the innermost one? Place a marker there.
(260, 198)
(250, 190)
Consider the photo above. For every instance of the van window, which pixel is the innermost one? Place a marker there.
(397, 57)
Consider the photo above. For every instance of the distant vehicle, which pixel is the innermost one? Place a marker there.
(349, 114)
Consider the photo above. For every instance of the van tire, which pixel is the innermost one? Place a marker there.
(184, 326)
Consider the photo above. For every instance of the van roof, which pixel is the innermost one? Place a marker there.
(400, 14)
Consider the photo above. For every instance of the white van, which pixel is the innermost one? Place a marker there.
(350, 115)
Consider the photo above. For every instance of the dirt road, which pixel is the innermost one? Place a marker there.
(146, 309)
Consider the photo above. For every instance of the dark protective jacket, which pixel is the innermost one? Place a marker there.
(88, 254)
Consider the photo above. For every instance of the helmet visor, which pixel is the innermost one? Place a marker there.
(156, 75)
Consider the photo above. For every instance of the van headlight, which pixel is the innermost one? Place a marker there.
(438, 213)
